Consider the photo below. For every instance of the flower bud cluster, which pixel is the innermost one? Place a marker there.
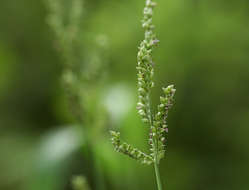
(129, 150)
(145, 64)
(66, 34)
(160, 128)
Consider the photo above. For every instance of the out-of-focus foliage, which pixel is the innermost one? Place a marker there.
(79, 183)
(204, 49)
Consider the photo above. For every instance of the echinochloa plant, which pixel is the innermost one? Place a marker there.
(158, 137)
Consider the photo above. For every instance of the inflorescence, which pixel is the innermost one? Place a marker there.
(158, 121)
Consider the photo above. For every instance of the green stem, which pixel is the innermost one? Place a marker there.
(156, 164)
(158, 179)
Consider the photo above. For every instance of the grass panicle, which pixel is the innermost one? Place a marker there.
(157, 122)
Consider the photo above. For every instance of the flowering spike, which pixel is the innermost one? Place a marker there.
(145, 64)
(129, 150)
(166, 102)
(156, 121)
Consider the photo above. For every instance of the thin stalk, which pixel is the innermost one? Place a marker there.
(156, 163)
(158, 178)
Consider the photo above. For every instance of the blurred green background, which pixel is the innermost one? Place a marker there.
(204, 51)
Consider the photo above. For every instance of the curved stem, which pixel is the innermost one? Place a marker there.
(158, 178)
